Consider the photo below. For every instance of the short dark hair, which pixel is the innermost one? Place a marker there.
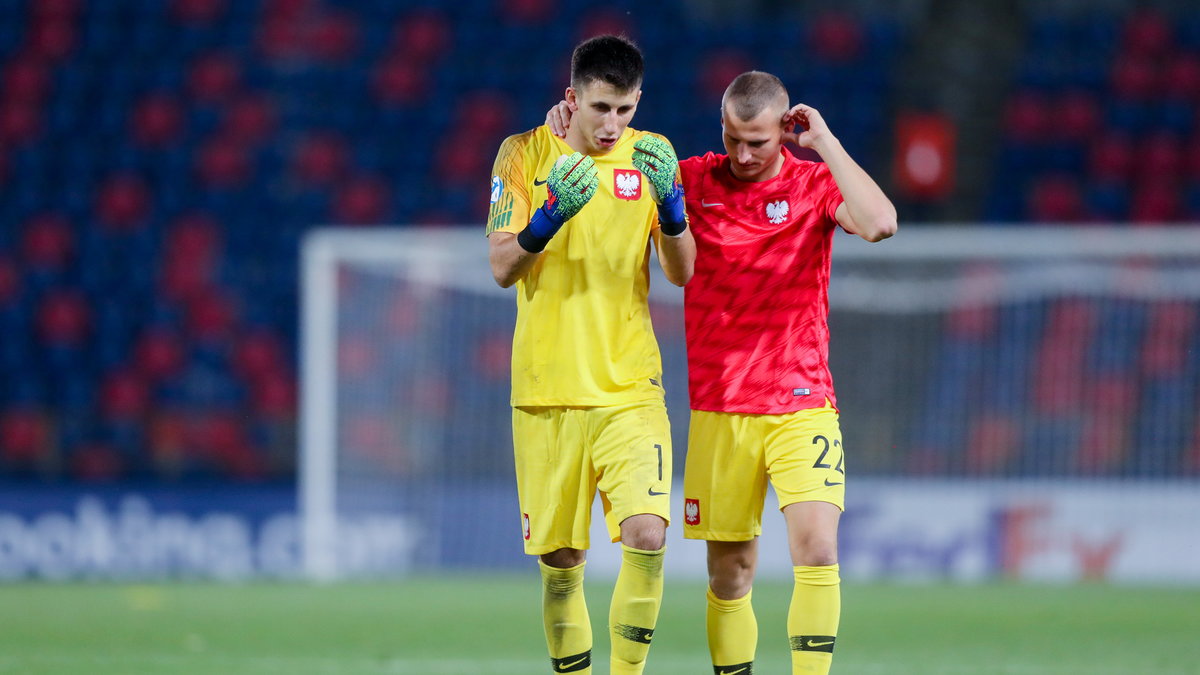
(751, 92)
(608, 58)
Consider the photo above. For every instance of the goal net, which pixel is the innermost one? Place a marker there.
(1038, 359)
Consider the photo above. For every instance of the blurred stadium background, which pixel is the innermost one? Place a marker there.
(1018, 370)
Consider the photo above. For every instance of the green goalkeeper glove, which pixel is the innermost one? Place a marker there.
(571, 184)
(656, 159)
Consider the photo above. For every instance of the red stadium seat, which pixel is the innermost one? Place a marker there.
(274, 395)
(55, 9)
(333, 37)
(485, 112)
(123, 202)
(994, 441)
(49, 241)
(95, 462)
(1078, 116)
(357, 356)
(258, 354)
(528, 11)
(463, 157)
(251, 119)
(1111, 158)
(606, 22)
(10, 280)
(64, 317)
(157, 120)
(26, 80)
(362, 200)
(1026, 117)
(223, 162)
(321, 159)
(1056, 199)
(719, 69)
(20, 123)
(1191, 159)
(211, 316)
(1161, 157)
(1147, 34)
(198, 11)
(51, 38)
(158, 354)
(1166, 345)
(124, 396)
(836, 37)
(1182, 76)
(1104, 444)
(1061, 357)
(281, 38)
(398, 81)
(193, 236)
(185, 278)
(422, 35)
(1134, 78)
(214, 77)
(24, 436)
(1155, 202)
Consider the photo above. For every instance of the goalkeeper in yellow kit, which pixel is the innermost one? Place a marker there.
(571, 224)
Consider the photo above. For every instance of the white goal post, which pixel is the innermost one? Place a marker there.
(918, 280)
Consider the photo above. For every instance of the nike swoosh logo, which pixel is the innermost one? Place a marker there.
(828, 484)
(566, 667)
(710, 204)
(734, 672)
(539, 182)
(819, 644)
(652, 493)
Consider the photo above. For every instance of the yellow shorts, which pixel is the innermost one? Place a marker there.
(564, 455)
(731, 456)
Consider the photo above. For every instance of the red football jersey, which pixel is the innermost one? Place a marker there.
(756, 310)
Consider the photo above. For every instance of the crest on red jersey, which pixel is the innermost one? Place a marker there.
(777, 211)
(627, 184)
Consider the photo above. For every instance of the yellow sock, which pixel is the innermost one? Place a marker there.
(813, 618)
(732, 634)
(565, 616)
(634, 609)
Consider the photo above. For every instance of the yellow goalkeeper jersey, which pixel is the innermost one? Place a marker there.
(583, 335)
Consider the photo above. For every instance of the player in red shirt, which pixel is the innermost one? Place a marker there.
(763, 406)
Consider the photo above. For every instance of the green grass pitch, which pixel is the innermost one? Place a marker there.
(492, 626)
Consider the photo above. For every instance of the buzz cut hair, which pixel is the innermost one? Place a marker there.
(613, 59)
(752, 92)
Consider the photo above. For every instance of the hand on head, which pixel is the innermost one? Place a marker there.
(804, 125)
(558, 119)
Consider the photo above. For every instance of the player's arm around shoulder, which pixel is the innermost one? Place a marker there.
(656, 159)
(865, 209)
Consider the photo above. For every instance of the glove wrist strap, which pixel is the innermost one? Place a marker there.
(541, 228)
(671, 218)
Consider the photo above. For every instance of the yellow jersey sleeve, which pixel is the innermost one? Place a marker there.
(510, 209)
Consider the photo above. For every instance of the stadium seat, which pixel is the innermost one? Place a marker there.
(123, 202)
(1056, 199)
(49, 241)
(1154, 203)
(836, 37)
(1147, 34)
(361, 200)
(214, 77)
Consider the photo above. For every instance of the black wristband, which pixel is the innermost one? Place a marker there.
(669, 228)
(529, 241)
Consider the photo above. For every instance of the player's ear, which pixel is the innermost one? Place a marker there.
(572, 101)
